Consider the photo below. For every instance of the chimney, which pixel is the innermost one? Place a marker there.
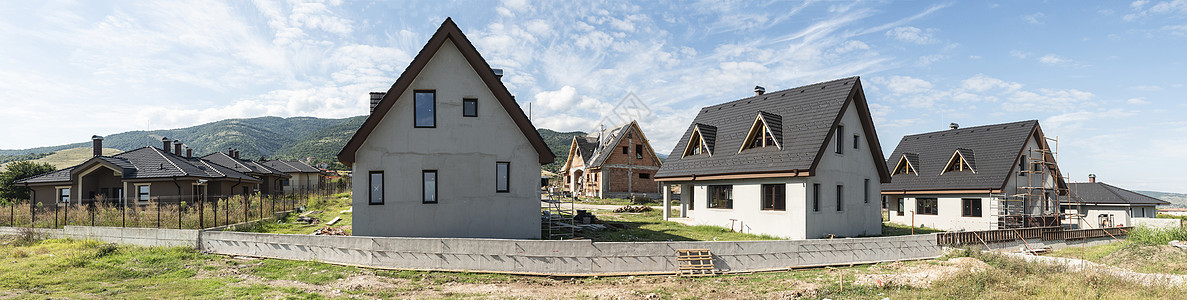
(375, 98)
(954, 126)
(236, 154)
(165, 143)
(97, 144)
(177, 147)
(498, 73)
(1091, 178)
(230, 152)
(189, 152)
(759, 90)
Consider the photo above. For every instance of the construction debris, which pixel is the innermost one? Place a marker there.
(308, 220)
(1179, 244)
(335, 220)
(330, 231)
(633, 209)
(348, 210)
(312, 212)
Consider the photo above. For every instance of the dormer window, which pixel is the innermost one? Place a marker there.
(961, 160)
(701, 141)
(765, 132)
(904, 165)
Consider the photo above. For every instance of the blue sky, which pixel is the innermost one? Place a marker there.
(1105, 77)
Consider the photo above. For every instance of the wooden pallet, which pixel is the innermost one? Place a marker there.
(695, 262)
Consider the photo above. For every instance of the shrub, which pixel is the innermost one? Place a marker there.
(1155, 236)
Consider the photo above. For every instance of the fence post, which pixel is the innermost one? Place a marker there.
(92, 209)
(245, 208)
(180, 211)
(56, 216)
(158, 212)
(201, 206)
(124, 214)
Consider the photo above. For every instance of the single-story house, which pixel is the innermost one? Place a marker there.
(302, 177)
(271, 179)
(1098, 204)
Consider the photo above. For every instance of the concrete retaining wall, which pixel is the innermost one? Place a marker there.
(1157, 223)
(1039, 244)
(149, 237)
(565, 258)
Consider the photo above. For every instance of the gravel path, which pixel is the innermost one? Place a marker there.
(1145, 279)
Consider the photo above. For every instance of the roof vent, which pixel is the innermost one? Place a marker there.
(1091, 178)
(954, 126)
(759, 90)
(498, 73)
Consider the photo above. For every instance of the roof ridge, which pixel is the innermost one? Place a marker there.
(766, 94)
(203, 161)
(963, 129)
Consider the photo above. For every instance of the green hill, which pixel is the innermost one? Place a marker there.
(268, 137)
(1176, 199)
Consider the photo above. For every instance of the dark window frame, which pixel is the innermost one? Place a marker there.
(866, 188)
(1022, 165)
(922, 209)
(626, 150)
(840, 140)
(774, 197)
(644, 175)
(416, 104)
(507, 184)
(902, 206)
(968, 209)
(144, 196)
(371, 188)
(840, 197)
(638, 151)
(856, 140)
(467, 101)
(63, 198)
(816, 197)
(716, 195)
(436, 187)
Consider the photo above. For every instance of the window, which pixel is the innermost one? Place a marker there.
(285, 182)
(957, 163)
(644, 175)
(759, 136)
(691, 195)
(1022, 166)
(721, 196)
(774, 197)
(840, 197)
(903, 166)
(901, 206)
(926, 206)
(840, 140)
(626, 150)
(428, 188)
(815, 197)
(376, 187)
(142, 192)
(866, 189)
(425, 107)
(856, 138)
(970, 207)
(638, 151)
(64, 195)
(469, 107)
(502, 174)
(696, 145)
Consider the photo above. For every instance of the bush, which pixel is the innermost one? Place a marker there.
(1154, 236)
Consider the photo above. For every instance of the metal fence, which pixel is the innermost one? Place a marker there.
(1007, 235)
(181, 212)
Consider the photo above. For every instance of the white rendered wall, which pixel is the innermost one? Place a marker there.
(851, 169)
(747, 213)
(463, 150)
(949, 211)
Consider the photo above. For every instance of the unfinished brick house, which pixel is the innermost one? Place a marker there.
(622, 165)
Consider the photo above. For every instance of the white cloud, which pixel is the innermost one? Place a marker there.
(1052, 59)
(1035, 18)
(907, 85)
(981, 83)
(1137, 101)
(1020, 54)
(912, 35)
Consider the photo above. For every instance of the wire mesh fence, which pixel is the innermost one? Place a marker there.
(179, 212)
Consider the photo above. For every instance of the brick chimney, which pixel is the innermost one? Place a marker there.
(1091, 178)
(189, 152)
(97, 145)
(165, 143)
(236, 154)
(375, 98)
(177, 147)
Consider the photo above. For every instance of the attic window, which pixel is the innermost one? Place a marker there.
(959, 163)
(764, 132)
(904, 166)
(696, 145)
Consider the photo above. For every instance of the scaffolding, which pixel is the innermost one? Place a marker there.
(555, 217)
(1035, 201)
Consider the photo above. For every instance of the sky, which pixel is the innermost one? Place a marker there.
(1105, 77)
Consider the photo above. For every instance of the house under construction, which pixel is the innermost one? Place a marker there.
(977, 178)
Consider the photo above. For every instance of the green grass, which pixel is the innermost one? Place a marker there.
(330, 207)
(616, 201)
(894, 229)
(1132, 255)
(650, 226)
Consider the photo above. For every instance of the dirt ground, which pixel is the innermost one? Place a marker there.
(919, 275)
